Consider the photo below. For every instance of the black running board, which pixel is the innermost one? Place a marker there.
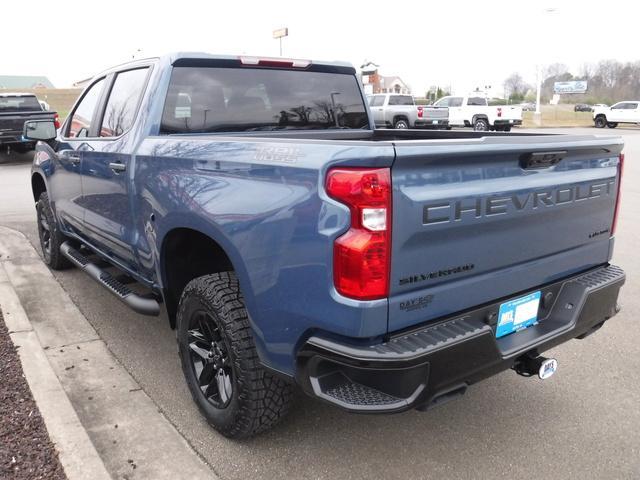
(137, 303)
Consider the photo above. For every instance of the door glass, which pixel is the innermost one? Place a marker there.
(377, 101)
(123, 102)
(80, 123)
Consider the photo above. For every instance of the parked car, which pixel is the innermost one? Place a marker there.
(528, 107)
(290, 242)
(475, 112)
(621, 112)
(15, 109)
(400, 111)
(582, 107)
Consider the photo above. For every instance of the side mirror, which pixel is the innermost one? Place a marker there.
(39, 130)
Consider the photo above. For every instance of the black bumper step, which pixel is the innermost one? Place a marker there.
(436, 362)
(138, 303)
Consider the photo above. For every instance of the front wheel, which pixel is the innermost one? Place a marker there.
(600, 122)
(481, 125)
(234, 392)
(50, 235)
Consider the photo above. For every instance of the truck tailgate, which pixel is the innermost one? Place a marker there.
(479, 220)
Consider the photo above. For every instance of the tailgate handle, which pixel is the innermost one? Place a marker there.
(541, 159)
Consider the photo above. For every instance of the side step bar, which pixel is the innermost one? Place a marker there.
(144, 306)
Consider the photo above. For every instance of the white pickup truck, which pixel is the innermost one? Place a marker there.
(475, 112)
(622, 112)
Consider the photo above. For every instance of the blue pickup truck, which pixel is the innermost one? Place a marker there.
(289, 242)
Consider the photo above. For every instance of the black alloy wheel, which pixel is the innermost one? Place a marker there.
(210, 359)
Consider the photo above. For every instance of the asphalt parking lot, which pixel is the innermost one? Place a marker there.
(582, 423)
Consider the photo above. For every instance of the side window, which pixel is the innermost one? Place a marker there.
(80, 123)
(619, 106)
(443, 102)
(455, 102)
(377, 101)
(477, 101)
(123, 102)
(632, 106)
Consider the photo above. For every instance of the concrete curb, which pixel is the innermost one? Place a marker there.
(101, 421)
(77, 454)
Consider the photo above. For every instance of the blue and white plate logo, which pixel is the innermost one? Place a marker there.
(517, 314)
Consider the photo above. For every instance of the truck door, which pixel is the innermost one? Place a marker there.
(618, 112)
(108, 166)
(65, 190)
(456, 111)
(377, 110)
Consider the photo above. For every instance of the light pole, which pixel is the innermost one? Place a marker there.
(537, 113)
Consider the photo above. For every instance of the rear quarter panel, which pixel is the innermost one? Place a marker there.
(263, 201)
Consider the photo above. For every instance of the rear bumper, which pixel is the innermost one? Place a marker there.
(431, 123)
(12, 137)
(501, 123)
(429, 365)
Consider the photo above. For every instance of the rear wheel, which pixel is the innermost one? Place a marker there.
(481, 125)
(506, 128)
(401, 124)
(237, 396)
(50, 235)
(600, 121)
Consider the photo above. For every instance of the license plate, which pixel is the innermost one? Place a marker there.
(518, 314)
(435, 122)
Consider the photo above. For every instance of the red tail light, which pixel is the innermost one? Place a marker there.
(361, 257)
(420, 112)
(56, 120)
(499, 111)
(615, 214)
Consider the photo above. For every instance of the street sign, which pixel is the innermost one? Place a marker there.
(578, 86)
(281, 32)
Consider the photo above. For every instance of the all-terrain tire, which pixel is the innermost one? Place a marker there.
(600, 121)
(50, 235)
(258, 398)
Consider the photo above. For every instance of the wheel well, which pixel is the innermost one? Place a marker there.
(601, 115)
(400, 117)
(188, 254)
(479, 117)
(37, 186)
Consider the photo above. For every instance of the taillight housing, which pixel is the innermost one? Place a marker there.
(619, 193)
(56, 120)
(361, 256)
(420, 112)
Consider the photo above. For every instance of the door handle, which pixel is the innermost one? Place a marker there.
(73, 158)
(117, 167)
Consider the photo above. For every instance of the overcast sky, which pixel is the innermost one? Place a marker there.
(458, 43)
